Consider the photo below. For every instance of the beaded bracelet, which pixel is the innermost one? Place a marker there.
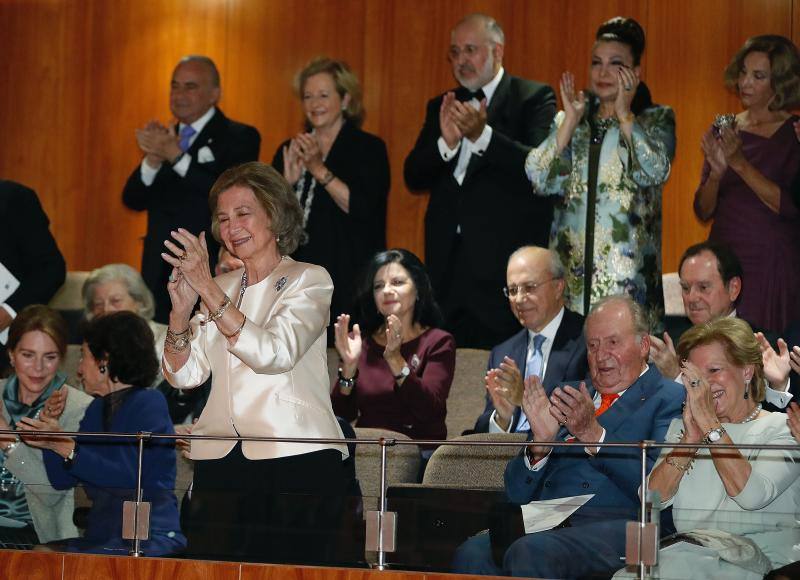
(346, 384)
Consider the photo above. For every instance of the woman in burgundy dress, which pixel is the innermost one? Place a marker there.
(399, 374)
(746, 186)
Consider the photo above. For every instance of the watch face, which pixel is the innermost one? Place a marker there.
(405, 371)
(714, 436)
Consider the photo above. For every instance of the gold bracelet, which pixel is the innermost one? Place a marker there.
(237, 331)
(177, 342)
(217, 314)
(685, 468)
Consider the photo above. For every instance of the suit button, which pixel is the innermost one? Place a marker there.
(528, 479)
(547, 484)
(585, 484)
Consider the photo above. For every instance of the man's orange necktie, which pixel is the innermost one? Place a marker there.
(606, 400)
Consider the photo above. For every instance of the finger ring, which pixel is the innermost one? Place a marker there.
(694, 382)
(397, 335)
(172, 278)
(628, 87)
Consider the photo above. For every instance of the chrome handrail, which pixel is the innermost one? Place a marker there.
(643, 446)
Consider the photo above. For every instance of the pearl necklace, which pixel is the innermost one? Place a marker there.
(752, 415)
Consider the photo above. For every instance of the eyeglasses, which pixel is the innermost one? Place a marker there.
(469, 50)
(526, 289)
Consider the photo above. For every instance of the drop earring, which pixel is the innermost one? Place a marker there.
(747, 389)
(102, 369)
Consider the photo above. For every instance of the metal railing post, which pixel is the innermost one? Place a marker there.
(643, 511)
(382, 508)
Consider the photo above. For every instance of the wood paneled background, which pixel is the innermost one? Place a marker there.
(78, 76)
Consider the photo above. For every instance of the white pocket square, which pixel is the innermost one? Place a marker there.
(204, 155)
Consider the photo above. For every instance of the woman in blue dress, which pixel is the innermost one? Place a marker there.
(117, 364)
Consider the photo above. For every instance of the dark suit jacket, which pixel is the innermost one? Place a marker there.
(173, 201)
(494, 206)
(27, 248)
(567, 361)
(614, 474)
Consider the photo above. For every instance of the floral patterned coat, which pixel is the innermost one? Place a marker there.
(627, 244)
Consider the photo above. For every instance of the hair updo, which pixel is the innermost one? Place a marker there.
(624, 30)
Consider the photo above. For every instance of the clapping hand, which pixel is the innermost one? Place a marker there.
(538, 409)
(158, 143)
(450, 132)
(794, 359)
(731, 146)
(349, 348)
(310, 151)
(504, 409)
(699, 414)
(574, 408)
(470, 121)
(662, 353)
(574, 105)
(713, 154)
(777, 365)
(292, 162)
(627, 82)
(394, 336)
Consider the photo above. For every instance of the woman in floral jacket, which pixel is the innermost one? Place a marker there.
(607, 158)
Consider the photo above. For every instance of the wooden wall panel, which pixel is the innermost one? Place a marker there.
(81, 75)
(690, 43)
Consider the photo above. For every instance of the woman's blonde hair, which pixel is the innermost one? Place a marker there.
(344, 79)
(737, 340)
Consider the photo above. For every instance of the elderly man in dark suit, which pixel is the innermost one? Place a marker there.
(711, 281)
(550, 344)
(470, 156)
(181, 164)
(27, 250)
(626, 401)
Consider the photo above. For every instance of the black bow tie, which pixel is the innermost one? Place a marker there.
(464, 95)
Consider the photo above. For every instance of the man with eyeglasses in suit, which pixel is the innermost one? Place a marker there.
(550, 344)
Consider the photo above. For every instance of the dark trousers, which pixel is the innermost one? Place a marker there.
(270, 510)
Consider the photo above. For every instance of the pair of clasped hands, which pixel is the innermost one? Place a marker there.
(303, 152)
(567, 406)
(158, 143)
(458, 120)
(46, 420)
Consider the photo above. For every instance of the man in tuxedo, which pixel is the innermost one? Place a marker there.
(626, 401)
(181, 164)
(711, 281)
(27, 250)
(550, 344)
(470, 156)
